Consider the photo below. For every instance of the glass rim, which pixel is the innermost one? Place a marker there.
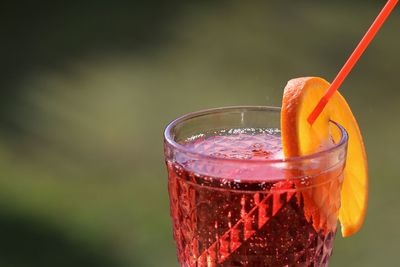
(169, 139)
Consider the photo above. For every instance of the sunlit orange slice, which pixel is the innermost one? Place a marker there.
(301, 95)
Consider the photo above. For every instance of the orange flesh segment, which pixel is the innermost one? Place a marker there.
(299, 138)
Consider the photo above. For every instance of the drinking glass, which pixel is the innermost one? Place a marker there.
(245, 210)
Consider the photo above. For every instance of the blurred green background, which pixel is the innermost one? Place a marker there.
(87, 89)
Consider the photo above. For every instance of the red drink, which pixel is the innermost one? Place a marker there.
(234, 202)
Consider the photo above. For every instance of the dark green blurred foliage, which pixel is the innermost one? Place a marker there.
(87, 89)
(42, 35)
(26, 242)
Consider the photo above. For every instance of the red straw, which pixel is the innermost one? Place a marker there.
(387, 9)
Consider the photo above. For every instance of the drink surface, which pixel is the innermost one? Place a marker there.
(228, 209)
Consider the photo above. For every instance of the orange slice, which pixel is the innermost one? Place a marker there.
(299, 138)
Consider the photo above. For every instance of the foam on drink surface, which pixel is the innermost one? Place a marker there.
(246, 144)
(234, 155)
